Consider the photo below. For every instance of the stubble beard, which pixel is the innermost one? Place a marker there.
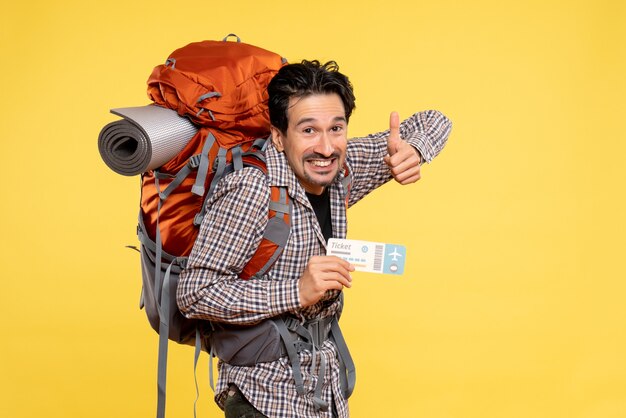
(313, 181)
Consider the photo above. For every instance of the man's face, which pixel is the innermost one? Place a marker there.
(315, 141)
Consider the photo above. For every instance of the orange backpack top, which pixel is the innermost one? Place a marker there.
(220, 86)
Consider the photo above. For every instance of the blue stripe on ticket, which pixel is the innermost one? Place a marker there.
(372, 257)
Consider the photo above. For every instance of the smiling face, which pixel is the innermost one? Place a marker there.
(315, 140)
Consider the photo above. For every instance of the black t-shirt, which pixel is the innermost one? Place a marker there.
(321, 206)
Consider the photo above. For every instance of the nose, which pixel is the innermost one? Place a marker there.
(324, 146)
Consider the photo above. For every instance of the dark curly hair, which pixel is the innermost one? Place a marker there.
(305, 79)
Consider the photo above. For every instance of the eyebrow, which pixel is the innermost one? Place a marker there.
(308, 120)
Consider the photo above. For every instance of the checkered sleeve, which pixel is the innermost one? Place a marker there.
(210, 287)
(427, 131)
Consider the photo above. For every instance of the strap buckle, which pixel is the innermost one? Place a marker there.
(181, 261)
(317, 329)
(194, 161)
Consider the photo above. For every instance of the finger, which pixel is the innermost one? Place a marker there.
(394, 133)
(330, 265)
(339, 269)
(332, 285)
(395, 160)
(409, 176)
(411, 179)
(330, 260)
(404, 164)
(406, 157)
(345, 263)
(404, 171)
(335, 280)
(406, 154)
(329, 280)
(324, 259)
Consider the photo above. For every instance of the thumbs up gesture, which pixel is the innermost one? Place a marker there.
(403, 160)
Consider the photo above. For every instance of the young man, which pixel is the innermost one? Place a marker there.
(310, 106)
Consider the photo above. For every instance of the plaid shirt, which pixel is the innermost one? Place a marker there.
(209, 288)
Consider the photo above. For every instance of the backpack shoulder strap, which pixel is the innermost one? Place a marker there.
(276, 232)
(346, 183)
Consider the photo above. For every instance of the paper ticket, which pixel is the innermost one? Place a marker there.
(372, 257)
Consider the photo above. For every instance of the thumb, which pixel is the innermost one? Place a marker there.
(394, 133)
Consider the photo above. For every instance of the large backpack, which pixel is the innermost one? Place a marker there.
(221, 86)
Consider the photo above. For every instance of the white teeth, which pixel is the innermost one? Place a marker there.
(321, 163)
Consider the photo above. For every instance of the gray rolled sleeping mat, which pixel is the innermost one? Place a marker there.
(146, 138)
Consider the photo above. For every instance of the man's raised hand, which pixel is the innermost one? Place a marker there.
(403, 160)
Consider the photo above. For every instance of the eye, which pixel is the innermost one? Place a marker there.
(337, 128)
(308, 130)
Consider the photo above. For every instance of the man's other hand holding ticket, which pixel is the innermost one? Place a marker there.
(323, 273)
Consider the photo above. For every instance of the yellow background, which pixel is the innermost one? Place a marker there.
(512, 304)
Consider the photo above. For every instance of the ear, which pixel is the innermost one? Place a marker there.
(277, 138)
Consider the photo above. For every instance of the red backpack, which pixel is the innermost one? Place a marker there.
(221, 86)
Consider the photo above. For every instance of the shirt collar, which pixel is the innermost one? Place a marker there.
(280, 174)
